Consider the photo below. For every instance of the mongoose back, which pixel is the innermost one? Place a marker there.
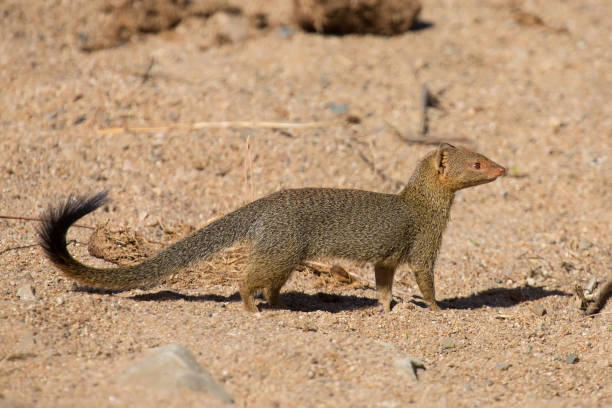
(292, 226)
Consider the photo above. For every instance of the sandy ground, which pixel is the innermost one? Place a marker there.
(532, 94)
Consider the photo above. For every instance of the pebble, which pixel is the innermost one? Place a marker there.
(409, 366)
(502, 366)
(538, 310)
(26, 293)
(173, 367)
(338, 108)
(80, 119)
(285, 32)
(531, 282)
(584, 245)
(572, 359)
(447, 343)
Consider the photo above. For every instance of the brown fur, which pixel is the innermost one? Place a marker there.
(292, 226)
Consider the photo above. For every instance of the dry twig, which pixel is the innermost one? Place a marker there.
(241, 124)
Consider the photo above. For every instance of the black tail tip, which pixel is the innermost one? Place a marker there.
(57, 219)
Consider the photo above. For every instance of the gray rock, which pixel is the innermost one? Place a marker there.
(538, 310)
(572, 359)
(584, 245)
(25, 292)
(502, 366)
(173, 367)
(409, 366)
(338, 108)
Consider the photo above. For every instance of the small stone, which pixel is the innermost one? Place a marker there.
(538, 310)
(409, 366)
(80, 119)
(388, 404)
(446, 343)
(502, 366)
(557, 357)
(572, 359)
(584, 245)
(338, 108)
(230, 28)
(285, 32)
(591, 285)
(531, 281)
(172, 367)
(26, 293)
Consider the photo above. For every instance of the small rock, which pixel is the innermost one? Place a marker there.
(572, 359)
(80, 119)
(538, 310)
(338, 108)
(591, 285)
(584, 245)
(446, 343)
(502, 366)
(409, 366)
(229, 28)
(285, 32)
(172, 367)
(388, 404)
(26, 293)
(531, 281)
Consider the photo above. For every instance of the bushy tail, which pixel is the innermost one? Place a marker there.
(215, 236)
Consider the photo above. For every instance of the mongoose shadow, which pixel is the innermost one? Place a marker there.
(293, 301)
(334, 303)
(499, 297)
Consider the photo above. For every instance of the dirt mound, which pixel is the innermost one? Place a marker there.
(116, 23)
(386, 17)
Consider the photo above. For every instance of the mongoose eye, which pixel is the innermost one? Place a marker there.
(476, 165)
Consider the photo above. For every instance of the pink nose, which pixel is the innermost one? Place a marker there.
(501, 170)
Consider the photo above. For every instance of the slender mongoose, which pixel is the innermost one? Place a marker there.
(292, 226)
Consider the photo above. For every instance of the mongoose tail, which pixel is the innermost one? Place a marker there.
(57, 220)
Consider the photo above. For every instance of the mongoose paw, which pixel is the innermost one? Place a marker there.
(434, 306)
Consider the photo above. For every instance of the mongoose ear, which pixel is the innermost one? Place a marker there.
(442, 156)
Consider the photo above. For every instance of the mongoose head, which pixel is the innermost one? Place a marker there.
(461, 168)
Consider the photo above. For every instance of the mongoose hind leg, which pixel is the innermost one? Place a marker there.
(247, 294)
(268, 272)
(384, 282)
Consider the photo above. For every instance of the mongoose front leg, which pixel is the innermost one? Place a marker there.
(384, 282)
(425, 280)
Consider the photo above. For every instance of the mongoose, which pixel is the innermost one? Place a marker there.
(291, 226)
